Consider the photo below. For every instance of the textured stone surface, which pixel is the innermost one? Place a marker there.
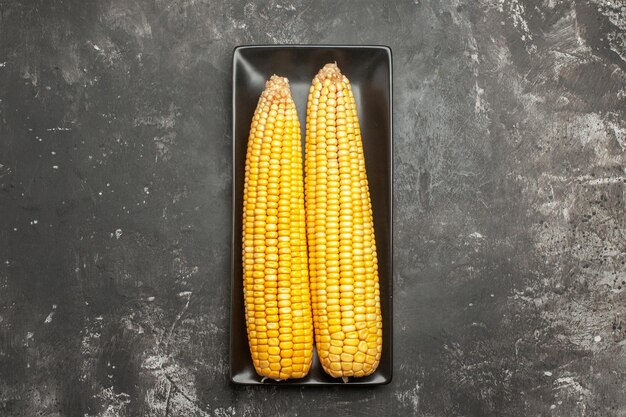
(115, 182)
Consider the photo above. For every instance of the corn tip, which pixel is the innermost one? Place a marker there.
(329, 71)
(277, 87)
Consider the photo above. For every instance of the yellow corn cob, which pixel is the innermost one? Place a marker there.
(343, 265)
(276, 284)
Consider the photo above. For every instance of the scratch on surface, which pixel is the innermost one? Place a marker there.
(224, 412)
(410, 397)
(4, 170)
(479, 104)
(601, 181)
(288, 7)
(163, 146)
(516, 13)
(117, 402)
(167, 400)
(569, 382)
(154, 362)
(54, 129)
(29, 336)
(49, 317)
(186, 294)
(614, 11)
(174, 386)
(159, 121)
(86, 187)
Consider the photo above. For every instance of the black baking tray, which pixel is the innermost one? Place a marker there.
(370, 72)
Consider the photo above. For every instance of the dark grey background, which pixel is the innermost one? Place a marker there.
(510, 244)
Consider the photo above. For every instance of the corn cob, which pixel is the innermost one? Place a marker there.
(276, 287)
(343, 265)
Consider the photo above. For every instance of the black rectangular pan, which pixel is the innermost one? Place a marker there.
(369, 70)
